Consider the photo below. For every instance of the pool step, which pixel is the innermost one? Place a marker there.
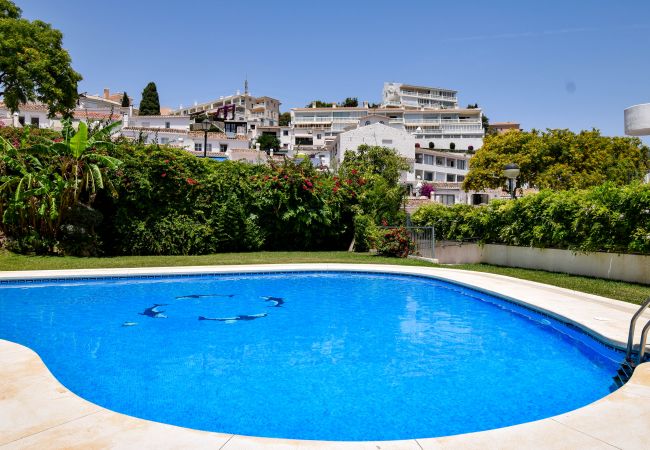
(624, 373)
(627, 366)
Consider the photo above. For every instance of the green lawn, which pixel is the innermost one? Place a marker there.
(629, 292)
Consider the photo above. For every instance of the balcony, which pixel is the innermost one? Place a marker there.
(299, 119)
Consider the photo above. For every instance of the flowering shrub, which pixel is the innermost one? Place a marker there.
(426, 190)
(395, 242)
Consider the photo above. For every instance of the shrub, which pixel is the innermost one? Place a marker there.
(605, 218)
(395, 242)
(426, 190)
(364, 233)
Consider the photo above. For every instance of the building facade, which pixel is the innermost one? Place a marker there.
(174, 130)
(431, 115)
(249, 112)
(401, 95)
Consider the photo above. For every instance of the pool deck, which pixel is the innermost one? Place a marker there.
(37, 412)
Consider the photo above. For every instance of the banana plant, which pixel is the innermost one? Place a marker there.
(80, 165)
(27, 194)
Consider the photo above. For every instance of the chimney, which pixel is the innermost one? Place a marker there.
(107, 93)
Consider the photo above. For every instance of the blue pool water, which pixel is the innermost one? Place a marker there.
(333, 356)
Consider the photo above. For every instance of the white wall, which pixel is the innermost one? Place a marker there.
(615, 266)
(177, 122)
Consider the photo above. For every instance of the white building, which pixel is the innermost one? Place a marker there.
(37, 115)
(460, 129)
(409, 96)
(250, 112)
(446, 170)
(174, 130)
(374, 134)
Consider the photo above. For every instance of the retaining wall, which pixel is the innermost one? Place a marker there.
(614, 266)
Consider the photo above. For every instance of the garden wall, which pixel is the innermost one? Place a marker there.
(614, 266)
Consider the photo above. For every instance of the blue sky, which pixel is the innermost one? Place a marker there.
(569, 64)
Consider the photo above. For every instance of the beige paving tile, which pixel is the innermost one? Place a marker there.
(252, 443)
(543, 434)
(31, 400)
(109, 430)
(621, 419)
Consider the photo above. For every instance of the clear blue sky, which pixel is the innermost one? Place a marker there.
(570, 64)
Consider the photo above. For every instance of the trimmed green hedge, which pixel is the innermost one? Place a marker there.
(605, 218)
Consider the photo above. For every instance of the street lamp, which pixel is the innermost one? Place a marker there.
(511, 172)
(205, 125)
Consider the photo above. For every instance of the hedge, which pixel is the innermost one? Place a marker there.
(605, 218)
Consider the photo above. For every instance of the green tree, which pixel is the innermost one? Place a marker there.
(150, 104)
(268, 142)
(558, 159)
(485, 122)
(381, 168)
(33, 64)
(285, 119)
(125, 101)
(319, 104)
(351, 102)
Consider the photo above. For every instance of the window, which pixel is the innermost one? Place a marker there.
(440, 161)
(208, 147)
(304, 141)
(460, 178)
(451, 177)
(35, 122)
(429, 159)
(386, 142)
(446, 199)
(451, 162)
(168, 125)
(428, 176)
(198, 147)
(21, 120)
(164, 140)
(418, 158)
(252, 127)
(319, 136)
(223, 147)
(285, 132)
(462, 164)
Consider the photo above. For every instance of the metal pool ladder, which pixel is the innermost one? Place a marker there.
(629, 364)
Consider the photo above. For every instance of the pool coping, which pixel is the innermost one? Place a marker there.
(36, 411)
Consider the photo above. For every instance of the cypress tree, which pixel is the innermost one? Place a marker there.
(150, 104)
(125, 101)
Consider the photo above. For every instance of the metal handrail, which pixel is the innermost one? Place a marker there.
(630, 337)
(644, 336)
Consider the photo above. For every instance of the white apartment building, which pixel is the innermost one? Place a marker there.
(250, 112)
(409, 96)
(462, 129)
(430, 114)
(446, 171)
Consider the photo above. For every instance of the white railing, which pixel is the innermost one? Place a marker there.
(430, 96)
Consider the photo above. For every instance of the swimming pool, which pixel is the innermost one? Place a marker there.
(335, 356)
